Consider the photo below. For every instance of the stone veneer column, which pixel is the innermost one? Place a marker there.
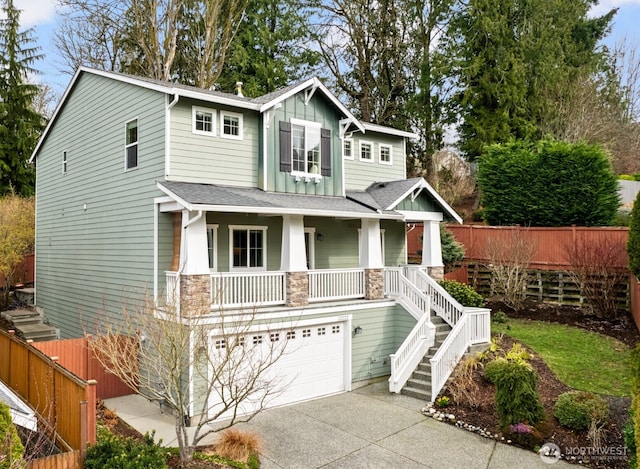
(436, 273)
(297, 284)
(195, 294)
(374, 284)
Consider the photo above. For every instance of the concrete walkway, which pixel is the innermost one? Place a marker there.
(366, 428)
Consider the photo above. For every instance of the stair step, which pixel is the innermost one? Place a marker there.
(422, 375)
(37, 332)
(24, 316)
(25, 295)
(419, 383)
(416, 393)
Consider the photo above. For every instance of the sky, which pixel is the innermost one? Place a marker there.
(42, 16)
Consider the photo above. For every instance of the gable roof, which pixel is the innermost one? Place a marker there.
(387, 195)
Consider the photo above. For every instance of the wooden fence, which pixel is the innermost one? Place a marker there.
(634, 297)
(76, 356)
(24, 272)
(68, 460)
(65, 404)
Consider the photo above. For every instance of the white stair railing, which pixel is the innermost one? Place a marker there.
(443, 304)
(411, 352)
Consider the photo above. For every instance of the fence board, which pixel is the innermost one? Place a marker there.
(24, 271)
(76, 356)
(68, 460)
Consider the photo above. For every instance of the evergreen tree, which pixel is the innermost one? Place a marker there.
(633, 244)
(20, 124)
(271, 49)
(517, 57)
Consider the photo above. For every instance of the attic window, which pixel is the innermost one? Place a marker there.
(131, 145)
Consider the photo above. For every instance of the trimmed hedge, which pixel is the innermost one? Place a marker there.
(633, 243)
(548, 183)
(463, 294)
(112, 452)
(577, 409)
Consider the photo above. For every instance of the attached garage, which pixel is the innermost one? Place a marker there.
(316, 361)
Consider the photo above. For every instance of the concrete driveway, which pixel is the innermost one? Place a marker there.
(365, 428)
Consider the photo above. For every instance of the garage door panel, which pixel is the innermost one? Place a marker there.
(311, 366)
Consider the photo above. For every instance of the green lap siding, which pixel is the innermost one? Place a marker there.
(94, 242)
(361, 174)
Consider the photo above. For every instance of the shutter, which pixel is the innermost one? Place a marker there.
(325, 152)
(285, 146)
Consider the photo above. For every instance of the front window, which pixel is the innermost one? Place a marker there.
(305, 146)
(231, 125)
(131, 145)
(203, 121)
(347, 149)
(248, 248)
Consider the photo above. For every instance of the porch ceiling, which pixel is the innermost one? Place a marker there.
(216, 198)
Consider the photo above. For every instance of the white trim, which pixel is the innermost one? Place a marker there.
(425, 185)
(305, 123)
(350, 141)
(156, 207)
(239, 116)
(308, 176)
(382, 241)
(412, 215)
(213, 112)
(129, 145)
(390, 147)
(371, 146)
(264, 247)
(216, 243)
(388, 130)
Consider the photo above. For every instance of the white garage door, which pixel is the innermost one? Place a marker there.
(312, 365)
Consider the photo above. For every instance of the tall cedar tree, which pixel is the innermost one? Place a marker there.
(633, 244)
(20, 124)
(516, 58)
(271, 49)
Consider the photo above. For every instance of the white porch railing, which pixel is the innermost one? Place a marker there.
(473, 327)
(248, 289)
(414, 347)
(392, 281)
(338, 284)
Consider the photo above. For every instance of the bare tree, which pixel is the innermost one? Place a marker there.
(509, 260)
(450, 176)
(599, 267)
(230, 367)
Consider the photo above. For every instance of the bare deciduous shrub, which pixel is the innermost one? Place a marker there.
(598, 266)
(450, 176)
(509, 261)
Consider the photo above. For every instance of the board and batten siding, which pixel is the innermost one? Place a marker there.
(94, 224)
(319, 110)
(211, 159)
(361, 174)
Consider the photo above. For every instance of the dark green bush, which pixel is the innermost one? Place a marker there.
(577, 409)
(11, 449)
(517, 399)
(452, 250)
(633, 243)
(112, 452)
(463, 294)
(548, 183)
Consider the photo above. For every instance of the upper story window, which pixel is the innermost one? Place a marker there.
(248, 247)
(231, 125)
(366, 151)
(305, 149)
(131, 145)
(385, 153)
(204, 121)
(347, 149)
(64, 162)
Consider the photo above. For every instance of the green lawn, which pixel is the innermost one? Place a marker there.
(581, 359)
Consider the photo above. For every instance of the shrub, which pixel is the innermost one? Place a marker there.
(633, 243)
(11, 449)
(547, 183)
(463, 294)
(523, 435)
(112, 452)
(518, 353)
(452, 250)
(630, 440)
(238, 445)
(499, 317)
(517, 399)
(579, 409)
(462, 386)
(443, 401)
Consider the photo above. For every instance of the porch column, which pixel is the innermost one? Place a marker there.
(293, 260)
(432, 249)
(371, 259)
(195, 278)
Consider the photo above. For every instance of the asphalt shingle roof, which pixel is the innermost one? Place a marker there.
(386, 193)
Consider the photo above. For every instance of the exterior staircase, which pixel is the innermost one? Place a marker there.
(28, 322)
(419, 384)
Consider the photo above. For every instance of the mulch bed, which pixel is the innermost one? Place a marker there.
(485, 415)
